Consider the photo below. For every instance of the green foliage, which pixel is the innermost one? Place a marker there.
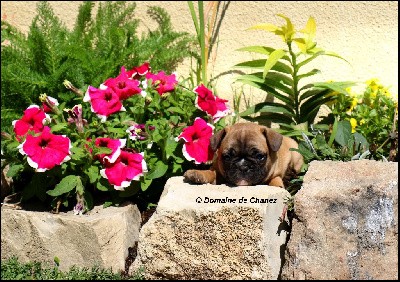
(95, 48)
(372, 113)
(281, 75)
(13, 269)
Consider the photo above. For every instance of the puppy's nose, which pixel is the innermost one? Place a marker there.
(243, 166)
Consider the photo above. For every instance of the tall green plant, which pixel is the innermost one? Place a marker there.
(280, 74)
(95, 48)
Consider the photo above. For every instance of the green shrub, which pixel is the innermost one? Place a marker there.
(95, 48)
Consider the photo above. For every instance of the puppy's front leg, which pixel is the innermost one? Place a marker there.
(199, 176)
(276, 181)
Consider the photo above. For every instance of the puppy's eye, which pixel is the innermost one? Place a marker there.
(260, 156)
(228, 155)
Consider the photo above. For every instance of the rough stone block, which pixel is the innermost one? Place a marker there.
(213, 232)
(346, 223)
(100, 237)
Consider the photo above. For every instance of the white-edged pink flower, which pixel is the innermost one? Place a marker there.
(46, 150)
(33, 119)
(197, 141)
(129, 166)
(104, 101)
(123, 85)
(138, 72)
(212, 105)
(114, 144)
(163, 83)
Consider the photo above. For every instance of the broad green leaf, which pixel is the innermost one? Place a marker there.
(102, 150)
(145, 184)
(267, 107)
(259, 64)
(306, 61)
(93, 173)
(59, 126)
(338, 86)
(67, 184)
(79, 186)
(257, 49)
(170, 146)
(270, 90)
(14, 169)
(270, 117)
(314, 93)
(158, 171)
(176, 110)
(310, 73)
(102, 185)
(274, 57)
(360, 141)
(119, 131)
(343, 134)
(333, 134)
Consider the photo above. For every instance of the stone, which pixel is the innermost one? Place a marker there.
(346, 222)
(213, 232)
(100, 237)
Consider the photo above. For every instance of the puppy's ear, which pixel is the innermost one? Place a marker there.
(274, 139)
(215, 140)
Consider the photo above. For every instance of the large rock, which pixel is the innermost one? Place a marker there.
(346, 223)
(101, 237)
(232, 236)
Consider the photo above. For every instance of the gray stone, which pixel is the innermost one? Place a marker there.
(213, 232)
(346, 223)
(100, 237)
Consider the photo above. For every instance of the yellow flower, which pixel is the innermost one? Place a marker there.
(362, 121)
(354, 103)
(353, 123)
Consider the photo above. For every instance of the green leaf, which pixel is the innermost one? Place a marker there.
(158, 171)
(338, 86)
(333, 134)
(273, 58)
(102, 185)
(93, 173)
(145, 184)
(310, 73)
(67, 184)
(58, 127)
(88, 200)
(267, 107)
(270, 117)
(257, 49)
(343, 134)
(270, 90)
(14, 169)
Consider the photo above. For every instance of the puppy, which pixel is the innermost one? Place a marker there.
(249, 154)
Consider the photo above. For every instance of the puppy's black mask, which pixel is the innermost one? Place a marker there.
(246, 167)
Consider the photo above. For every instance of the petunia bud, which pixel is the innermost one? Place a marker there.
(71, 87)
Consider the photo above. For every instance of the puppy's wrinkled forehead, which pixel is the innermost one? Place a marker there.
(245, 136)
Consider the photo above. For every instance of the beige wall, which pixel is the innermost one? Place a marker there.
(363, 32)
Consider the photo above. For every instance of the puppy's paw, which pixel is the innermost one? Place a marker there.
(199, 176)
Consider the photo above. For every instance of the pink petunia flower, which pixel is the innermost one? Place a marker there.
(104, 101)
(129, 166)
(46, 150)
(138, 72)
(197, 141)
(123, 85)
(114, 144)
(33, 119)
(212, 105)
(164, 83)
(138, 132)
(49, 104)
